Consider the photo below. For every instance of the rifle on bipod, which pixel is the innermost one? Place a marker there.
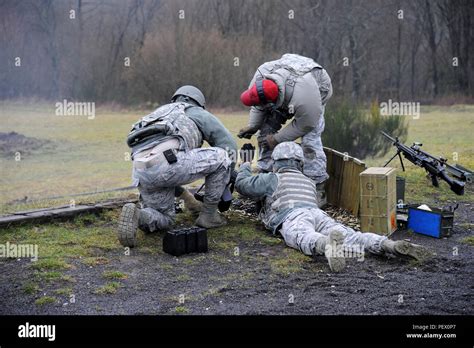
(436, 167)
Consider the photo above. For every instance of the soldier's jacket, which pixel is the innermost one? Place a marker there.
(282, 192)
(199, 125)
(213, 131)
(303, 92)
(191, 125)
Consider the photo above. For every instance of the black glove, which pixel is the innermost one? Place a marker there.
(246, 133)
(233, 176)
(270, 141)
(247, 152)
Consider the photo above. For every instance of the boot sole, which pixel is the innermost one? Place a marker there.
(335, 239)
(128, 225)
(412, 250)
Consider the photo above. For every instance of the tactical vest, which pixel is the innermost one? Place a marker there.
(298, 66)
(294, 190)
(168, 121)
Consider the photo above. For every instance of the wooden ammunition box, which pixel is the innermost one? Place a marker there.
(342, 188)
(378, 200)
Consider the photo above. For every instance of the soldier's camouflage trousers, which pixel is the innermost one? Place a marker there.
(304, 226)
(157, 184)
(315, 158)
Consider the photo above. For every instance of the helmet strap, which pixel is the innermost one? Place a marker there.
(260, 92)
(279, 165)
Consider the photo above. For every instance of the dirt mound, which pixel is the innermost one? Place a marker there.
(13, 142)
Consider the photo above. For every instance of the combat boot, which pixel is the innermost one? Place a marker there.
(128, 225)
(190, 203)
(404, 248)
(331, 247)
(210, 217)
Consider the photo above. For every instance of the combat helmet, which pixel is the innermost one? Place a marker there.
(191, 92)
(288, 150)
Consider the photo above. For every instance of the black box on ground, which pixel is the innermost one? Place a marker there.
(185, 241)
(400, 190)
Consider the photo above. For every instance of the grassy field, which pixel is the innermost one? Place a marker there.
(83, 257)
(91, 155)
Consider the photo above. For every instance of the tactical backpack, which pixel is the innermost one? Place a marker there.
(298, 66)
(167, 121)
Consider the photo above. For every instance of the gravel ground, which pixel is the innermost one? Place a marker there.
(222, 282)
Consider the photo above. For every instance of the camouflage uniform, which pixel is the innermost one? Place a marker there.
(315, 158)
(304, 89)
(185, 126)
(302, 228)
(290, 206)
(157, 184)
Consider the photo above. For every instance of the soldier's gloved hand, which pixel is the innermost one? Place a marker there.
(233, 176)
(246, 132)
(271, 142)
(247, 152)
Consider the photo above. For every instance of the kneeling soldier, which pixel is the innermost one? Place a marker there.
(167, 153)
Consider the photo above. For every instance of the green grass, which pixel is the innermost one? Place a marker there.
(82, 237)
(49, 276)
(167, 267)
(45, 300)
(30, 288)
(291, 261)
(270, 240)
(468, 240)
(85, 238)
(108, 289)
(181, 310)
(89, 157)
(95, 261)
(114, 275)
(50, 264)
(53, 276)
(183, 277)
(63, 291)
(89, 154)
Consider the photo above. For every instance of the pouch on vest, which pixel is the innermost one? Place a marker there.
(142, 134)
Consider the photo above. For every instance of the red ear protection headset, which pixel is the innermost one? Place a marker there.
(260, 92)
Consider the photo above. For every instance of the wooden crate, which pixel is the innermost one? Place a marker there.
(342, 188)
(378, 200)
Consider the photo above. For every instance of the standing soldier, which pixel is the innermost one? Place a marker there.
(167, 153)
(292, 87)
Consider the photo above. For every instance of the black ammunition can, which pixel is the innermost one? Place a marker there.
(184, 241)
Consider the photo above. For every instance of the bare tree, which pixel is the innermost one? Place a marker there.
(84, 57)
